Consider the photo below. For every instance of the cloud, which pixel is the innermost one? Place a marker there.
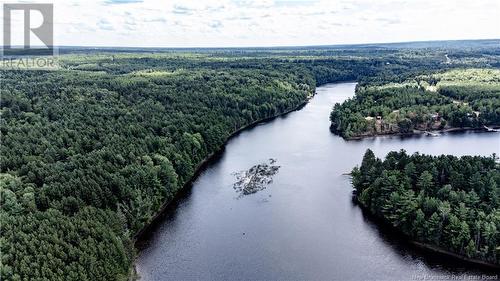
(104, 25)
(213, 23)
(388, 20)
(240, 18)
(122, 1)
(254, 3)
(181, 10)
(157, 19)
(289, 3)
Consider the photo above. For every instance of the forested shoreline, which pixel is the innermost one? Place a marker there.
(445, 203)
(201, 166)
(97, 165)
(452, 100)
(93, 149)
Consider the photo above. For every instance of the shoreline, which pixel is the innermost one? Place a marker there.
(428, 248)
(142, 233)
(204, 163)
(142, 236)
(438, 250)
(419, 132)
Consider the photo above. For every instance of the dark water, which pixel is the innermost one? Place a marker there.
(303, 225)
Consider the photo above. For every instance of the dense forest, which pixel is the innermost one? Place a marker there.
(444, 201)
(92, 149)
(88, 158)
(458, 98)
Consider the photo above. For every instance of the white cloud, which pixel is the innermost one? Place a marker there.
(210, 23)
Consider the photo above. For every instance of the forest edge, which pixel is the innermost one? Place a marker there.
(428, 248)
(141, 235)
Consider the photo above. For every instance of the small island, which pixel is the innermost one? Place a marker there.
(256, 178)
(458, 99)
(443, 203)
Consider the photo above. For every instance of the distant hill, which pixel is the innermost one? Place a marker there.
(447, 44)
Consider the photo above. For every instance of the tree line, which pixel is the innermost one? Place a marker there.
(445, 201)
(425, 102)
(88, 158)
(91, 150)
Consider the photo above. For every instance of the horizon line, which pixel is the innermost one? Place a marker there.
(270, 47)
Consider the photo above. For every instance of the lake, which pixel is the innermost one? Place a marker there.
(302, 223)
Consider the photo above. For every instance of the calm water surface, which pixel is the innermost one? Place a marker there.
(303, 226)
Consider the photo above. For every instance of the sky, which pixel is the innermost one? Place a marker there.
(237, 23)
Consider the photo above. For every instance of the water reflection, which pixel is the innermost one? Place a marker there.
(310, 230)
